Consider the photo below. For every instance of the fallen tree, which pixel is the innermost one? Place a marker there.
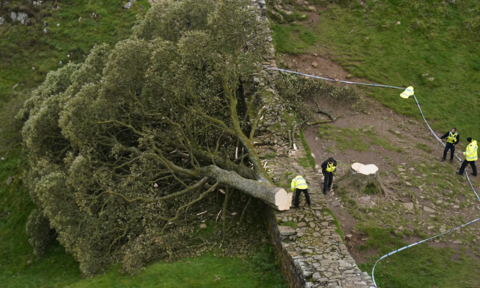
(122, 146)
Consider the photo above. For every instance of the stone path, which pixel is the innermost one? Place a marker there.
(315, 246)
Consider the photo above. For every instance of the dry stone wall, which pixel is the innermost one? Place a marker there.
(310, 250)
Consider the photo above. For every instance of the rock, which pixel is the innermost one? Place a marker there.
(456, 206)
(128, 5)
(335, 204)
(442, 230)
(430, 227)
(316, 276)
(286, 230)
(457, 242)
(203, 226)
(316, 234)
(427, 209)
(409, 206)
(408, 183)
(315, 64)
(10, 180)
(60, 63)
(401, 170)
(400, 228)
(45, 30)
(312, 224)
(398, 23)
(431, 79)
(13, 15)
(301, 224)
(2, 21)
(348, 237)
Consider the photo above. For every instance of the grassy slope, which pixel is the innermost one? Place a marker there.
(433, 39)
(419, 266)
(26, 46)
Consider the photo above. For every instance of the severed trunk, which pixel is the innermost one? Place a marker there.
(364, 178)
(278, 198)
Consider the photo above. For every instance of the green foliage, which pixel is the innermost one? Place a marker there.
(121, 147)
(419, 266)
(300, 92)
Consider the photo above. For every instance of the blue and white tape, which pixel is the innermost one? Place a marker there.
(426, 122)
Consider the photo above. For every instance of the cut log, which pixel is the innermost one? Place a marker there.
(364, 178)
(276, 197)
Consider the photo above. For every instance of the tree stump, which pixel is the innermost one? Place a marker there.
(364, 178)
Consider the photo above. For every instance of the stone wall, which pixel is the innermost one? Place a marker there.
(308, 244)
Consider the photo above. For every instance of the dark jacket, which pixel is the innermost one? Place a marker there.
(446, 135)
(325, 164)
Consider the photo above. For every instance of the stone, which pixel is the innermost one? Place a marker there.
(60, 63)
(316, 234)
(286, 230)
(427, 209)
(348, 237)
(2, 21)
(316, 276)
(401, 169)
(408, 183)
(430, 227)
(409, 206)
(45, 30)
(442, 230)
(13, 15)
(203, 226)
(457, 242)
(335, 204)
(128, 5)
(312, 224)
(301, 224)
(315, 64)
(10, 180)
(456, 206)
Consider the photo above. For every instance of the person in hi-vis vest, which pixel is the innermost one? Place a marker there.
(299, 185)
(329, 167)
(470, 157)
(452, 139)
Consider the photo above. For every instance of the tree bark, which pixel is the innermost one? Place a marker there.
(276, 197)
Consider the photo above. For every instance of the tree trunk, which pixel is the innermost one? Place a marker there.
(276, 197)
(364, 178)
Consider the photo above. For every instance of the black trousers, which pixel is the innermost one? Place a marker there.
(448, 147)
(464, 165)
(327, 181)
(297, 196)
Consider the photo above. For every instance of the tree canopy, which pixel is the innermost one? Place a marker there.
(124, 145)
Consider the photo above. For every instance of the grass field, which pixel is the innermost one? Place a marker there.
(28, 54)
(419, 266)
(427, 44)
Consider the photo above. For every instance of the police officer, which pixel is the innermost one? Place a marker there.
(452, 139)
(300, 185)
(470, 157)
(329, 167)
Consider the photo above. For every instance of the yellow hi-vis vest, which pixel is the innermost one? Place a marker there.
(471, 153)
(299, 183)
(452, 138)
(330, 167)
